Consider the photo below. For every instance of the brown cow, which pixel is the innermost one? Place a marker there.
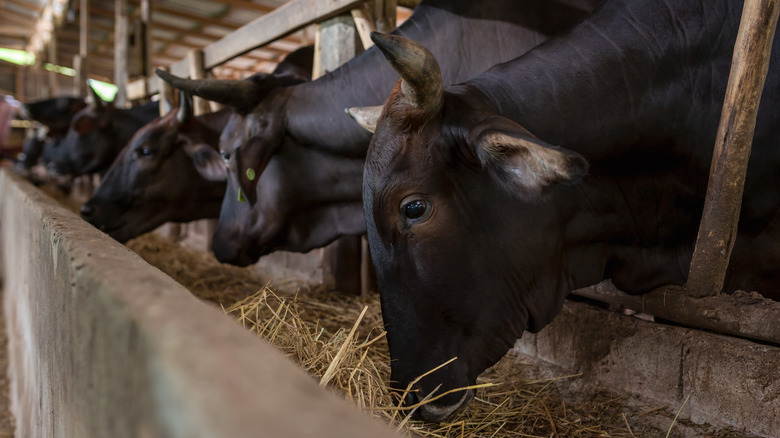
(585, 159)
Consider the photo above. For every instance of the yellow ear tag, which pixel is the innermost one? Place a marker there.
(241, 197)
(250, 173)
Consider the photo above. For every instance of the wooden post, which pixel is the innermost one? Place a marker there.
(20, 94)
(718, 228)
(202, 231)
(146, 22)
(52, 56)
(80, 78)
(385, 15)
(197, 71)
(364, 23)
(168, 94)
(337, 42)
(83, 60)
(121, 46)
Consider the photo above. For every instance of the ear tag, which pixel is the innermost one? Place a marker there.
(241, 197)
(250, 174)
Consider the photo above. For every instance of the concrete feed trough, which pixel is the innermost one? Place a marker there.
(96, 352)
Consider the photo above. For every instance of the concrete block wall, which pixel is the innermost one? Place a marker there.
(104, 345)
(731, 382)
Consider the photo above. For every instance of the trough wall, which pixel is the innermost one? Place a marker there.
(102, 344)
(727, 382)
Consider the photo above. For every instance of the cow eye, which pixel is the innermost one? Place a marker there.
(225, 154)
(415, 209)
(143, 152)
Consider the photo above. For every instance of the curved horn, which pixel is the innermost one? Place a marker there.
(239, 94)
(97, 102)
(185, 107)
(422, 84)
(365, 116)
(167, 104)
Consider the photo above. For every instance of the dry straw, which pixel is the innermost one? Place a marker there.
(340, 341)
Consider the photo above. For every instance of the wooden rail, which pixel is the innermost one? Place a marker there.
(288, 18)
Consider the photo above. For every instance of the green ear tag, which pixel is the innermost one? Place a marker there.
(250, 173)
(241, 197)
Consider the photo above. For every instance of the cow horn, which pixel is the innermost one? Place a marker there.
(185, 107)
(422, 84)
(97, 102)
(239, 94)
(365, 116)
(167, 104)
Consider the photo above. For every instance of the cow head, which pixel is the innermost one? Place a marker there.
(89, 144)
(169, 171)
(464, 225)
(250, 224)
(55, 113)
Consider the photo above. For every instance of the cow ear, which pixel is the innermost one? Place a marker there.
(97, 101)
(207, 162)
(527, 162)
(365, 116)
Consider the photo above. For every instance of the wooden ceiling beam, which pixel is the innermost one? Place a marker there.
(248, 5)
(16, 16)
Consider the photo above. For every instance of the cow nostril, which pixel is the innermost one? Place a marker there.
(410, 399)
(86, 211)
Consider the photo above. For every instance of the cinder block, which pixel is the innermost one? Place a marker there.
(731, 382)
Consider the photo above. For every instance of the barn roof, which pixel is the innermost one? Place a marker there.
(177, 27)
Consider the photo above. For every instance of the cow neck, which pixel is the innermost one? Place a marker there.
(315, 110)
(599, 102)
(215, 122)
(124, 125)
(603, 108)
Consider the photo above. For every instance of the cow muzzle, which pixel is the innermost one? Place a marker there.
(437, 410)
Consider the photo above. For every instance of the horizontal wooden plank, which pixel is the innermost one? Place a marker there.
(742, 314)
(287, 19)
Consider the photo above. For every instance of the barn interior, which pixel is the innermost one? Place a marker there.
(155, 337)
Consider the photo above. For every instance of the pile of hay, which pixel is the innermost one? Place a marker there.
(339, 340)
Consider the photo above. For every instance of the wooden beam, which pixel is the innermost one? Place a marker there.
(146, 35)
(718, 229)
(18, 18)
(364, 23)
(285, 20)
(52, 58)
(386, 15)
(83, 61)
(19, 84)
(195, 17)
(33, 7)
(248, 5)
(743, 314)
(195, 59)
(121, 49)
(338, 42)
